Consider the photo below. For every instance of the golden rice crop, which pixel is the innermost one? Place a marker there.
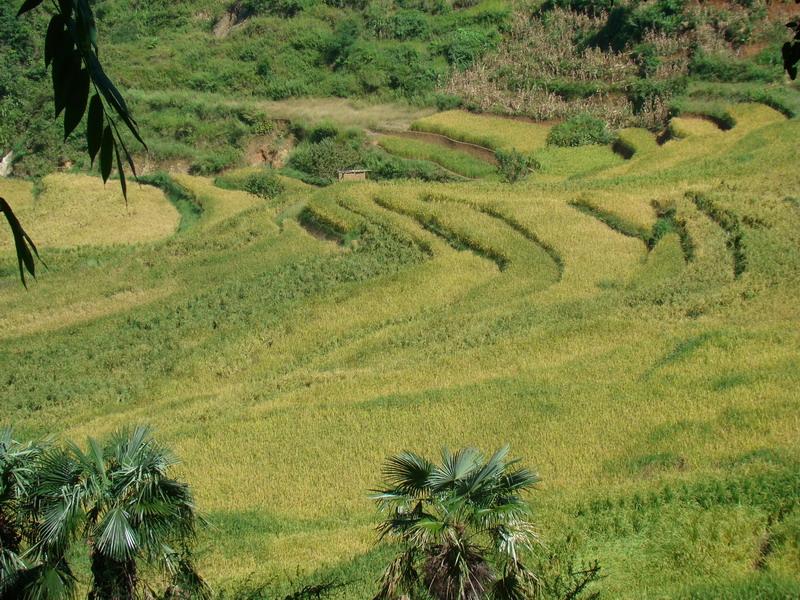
(78, 210)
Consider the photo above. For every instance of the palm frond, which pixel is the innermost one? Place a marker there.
(60, 519)
(517, 583)
(483, 481)
(455, 467)
(117, 538)
(520, 479)
(400, 577)
(48, 582)
(12, 569)
(400, 522)
(407, 473)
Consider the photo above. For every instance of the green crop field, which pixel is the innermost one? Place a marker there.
(630, 327)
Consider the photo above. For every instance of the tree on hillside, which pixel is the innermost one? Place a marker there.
(71, 52)
(462, 526)
(118, 500)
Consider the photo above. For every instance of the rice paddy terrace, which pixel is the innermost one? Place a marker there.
(627, 318)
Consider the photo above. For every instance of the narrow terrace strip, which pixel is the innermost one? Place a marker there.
(458, 242)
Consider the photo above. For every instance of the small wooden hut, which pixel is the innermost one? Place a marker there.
(353, 175)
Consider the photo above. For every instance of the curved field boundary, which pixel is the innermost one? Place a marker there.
(684, 127)
(480, 152)
(667, 221)
(217, 205)
(324, 218)
(432, 223)
(729, 223)
(633, 141)
(466, 228)
(400, 225)
(508, 221)
(486, 130)
(723, 121)
(184, 201)
(610, 220)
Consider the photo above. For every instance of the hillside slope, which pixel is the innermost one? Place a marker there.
(632, 332)
(200, 74)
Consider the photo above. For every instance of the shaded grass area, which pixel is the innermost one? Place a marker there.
(182, 199)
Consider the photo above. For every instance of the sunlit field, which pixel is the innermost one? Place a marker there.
(629, 326)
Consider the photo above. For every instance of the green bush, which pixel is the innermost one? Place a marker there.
(326, 158)
(628, 23)
(281, 8)
(466, 45)
(409, 24)
(580, 130)
(646, 58)
(264, 185)
(386, 166)
(644, 92)
(514, 166)
(322, 131)
(214, 162)
(447, 101)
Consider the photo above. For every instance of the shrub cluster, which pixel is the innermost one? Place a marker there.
(580, 130)
(514, 166)
(264, 185)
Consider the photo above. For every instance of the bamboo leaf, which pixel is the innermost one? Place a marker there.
(122, 181)
(94, 126)
(66, 7)
(22, 242)
(106, 151)
(76, 102)
(29, 5)
(54, 38)
(66, 70)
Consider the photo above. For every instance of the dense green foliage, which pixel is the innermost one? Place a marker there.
(514, 165)
(26, 124)
(263, 184)
(320, 161)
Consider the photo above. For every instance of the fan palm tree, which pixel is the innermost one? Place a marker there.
(461, 526)
(15, 478)
(121, 499)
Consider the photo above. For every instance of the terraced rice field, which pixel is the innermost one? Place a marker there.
(630, 328)
(497, 133)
